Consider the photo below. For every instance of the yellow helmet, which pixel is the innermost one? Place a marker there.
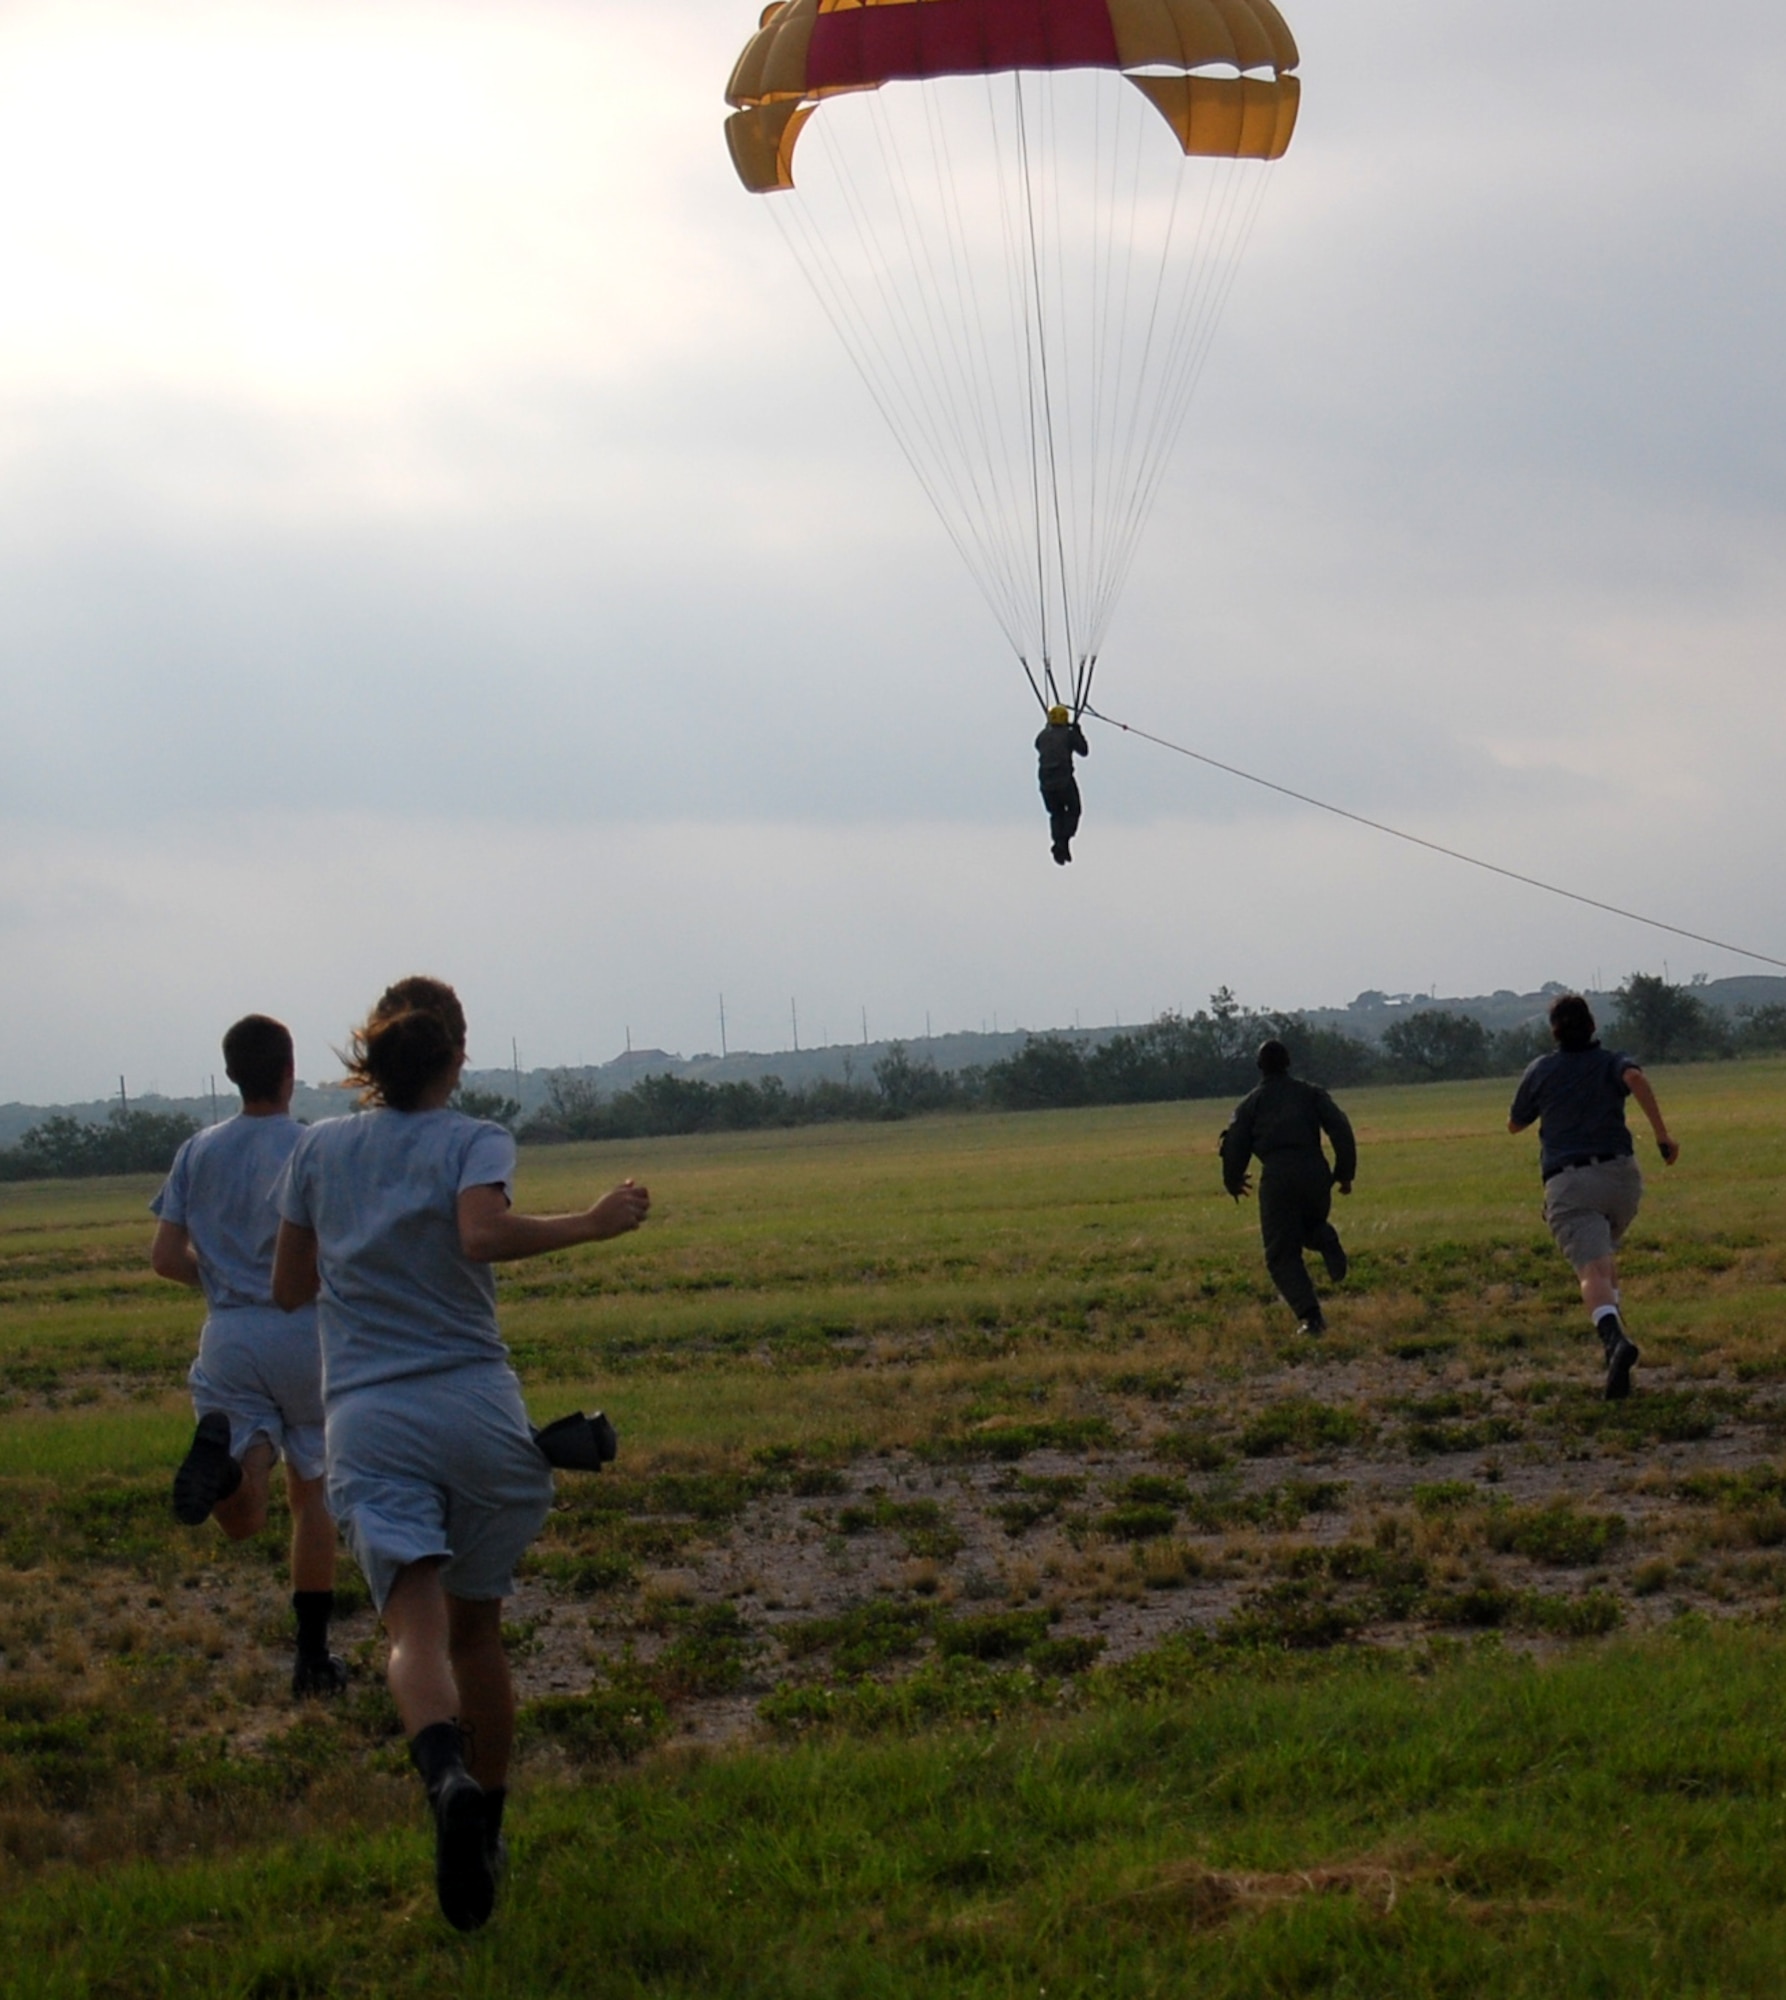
(1058, 715)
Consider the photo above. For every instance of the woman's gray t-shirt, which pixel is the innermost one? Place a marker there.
(399, 1297)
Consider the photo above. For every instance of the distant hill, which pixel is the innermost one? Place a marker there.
(1371, 1013)
(1365, 1017)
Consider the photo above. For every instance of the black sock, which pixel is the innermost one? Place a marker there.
(437, 1752)
(314, 1609)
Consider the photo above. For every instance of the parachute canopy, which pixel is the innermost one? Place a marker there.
(1025, 268)
(805, 50)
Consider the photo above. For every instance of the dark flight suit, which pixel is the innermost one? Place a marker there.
(1281, 1123)
(1056, 748)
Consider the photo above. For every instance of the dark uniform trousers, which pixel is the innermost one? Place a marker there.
(1061, 797)
(1295, 1201)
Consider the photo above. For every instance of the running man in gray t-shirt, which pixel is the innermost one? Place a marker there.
(257, 1382)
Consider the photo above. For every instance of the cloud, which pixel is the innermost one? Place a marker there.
(416, 451)
(130, 954)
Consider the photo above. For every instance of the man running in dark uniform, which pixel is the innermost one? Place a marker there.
(1281, 1123)
(1056, 747)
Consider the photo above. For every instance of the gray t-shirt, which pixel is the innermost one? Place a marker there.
(381, 1190)
(220, 1191)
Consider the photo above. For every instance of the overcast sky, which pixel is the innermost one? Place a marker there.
(438, 531)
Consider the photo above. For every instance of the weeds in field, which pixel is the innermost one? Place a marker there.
(940, 1466)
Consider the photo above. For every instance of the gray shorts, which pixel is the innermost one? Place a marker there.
(438, 1466)
(263, 1369)
(1590, 1208)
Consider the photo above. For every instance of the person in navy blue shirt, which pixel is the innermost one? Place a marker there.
(1592, 1186)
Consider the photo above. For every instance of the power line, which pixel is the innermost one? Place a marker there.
(1434, 847)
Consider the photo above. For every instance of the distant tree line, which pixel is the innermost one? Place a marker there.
(1207, 1054)
(129, 1142)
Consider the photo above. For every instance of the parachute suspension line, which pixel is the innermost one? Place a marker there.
(1029, 570)
(1241, 207)
(1434, 847)
(1041, 338)
(1041, 698)
(1051, 270)
(1126, 480)
(1082, 690)
(1224, 224)
(997, 449)
(1021, 251)
(1197, 323)
(969, 379)
(902, 409)
(1076, 430)
(1182, 330)
(991, 261)
(951, 386)
(935, 389)
(1123, 386)
(1118, 221)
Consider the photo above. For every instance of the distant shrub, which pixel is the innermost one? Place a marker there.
(1658, 1022)
(129, 1142)
(1759, 1030)
(1432, 1046)
(490, 1104)
(672, 1106)
(1207, 1054)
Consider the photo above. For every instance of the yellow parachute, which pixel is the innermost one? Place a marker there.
(1025, 243)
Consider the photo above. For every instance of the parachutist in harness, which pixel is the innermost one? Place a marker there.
(1056, 747)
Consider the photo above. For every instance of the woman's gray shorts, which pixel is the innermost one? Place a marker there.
(438, 1466)
(1590, 1208)
(263, 1369)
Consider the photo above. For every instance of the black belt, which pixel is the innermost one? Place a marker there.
(1583, 1160)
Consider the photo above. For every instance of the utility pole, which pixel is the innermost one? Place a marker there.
(865, 1027)
(927, 1024)
(794, 1016)
(722, 1024)
(515, 1059)
(213, 1099)
(629, 1041)
(123, 1101)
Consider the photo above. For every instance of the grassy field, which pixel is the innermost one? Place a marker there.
(994, 1594)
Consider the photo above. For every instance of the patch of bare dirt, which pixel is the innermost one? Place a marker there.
(786, 1559)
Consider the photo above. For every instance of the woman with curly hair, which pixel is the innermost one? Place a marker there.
(391, 1221)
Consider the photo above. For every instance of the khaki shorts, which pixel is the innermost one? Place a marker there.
(1590, 1208)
